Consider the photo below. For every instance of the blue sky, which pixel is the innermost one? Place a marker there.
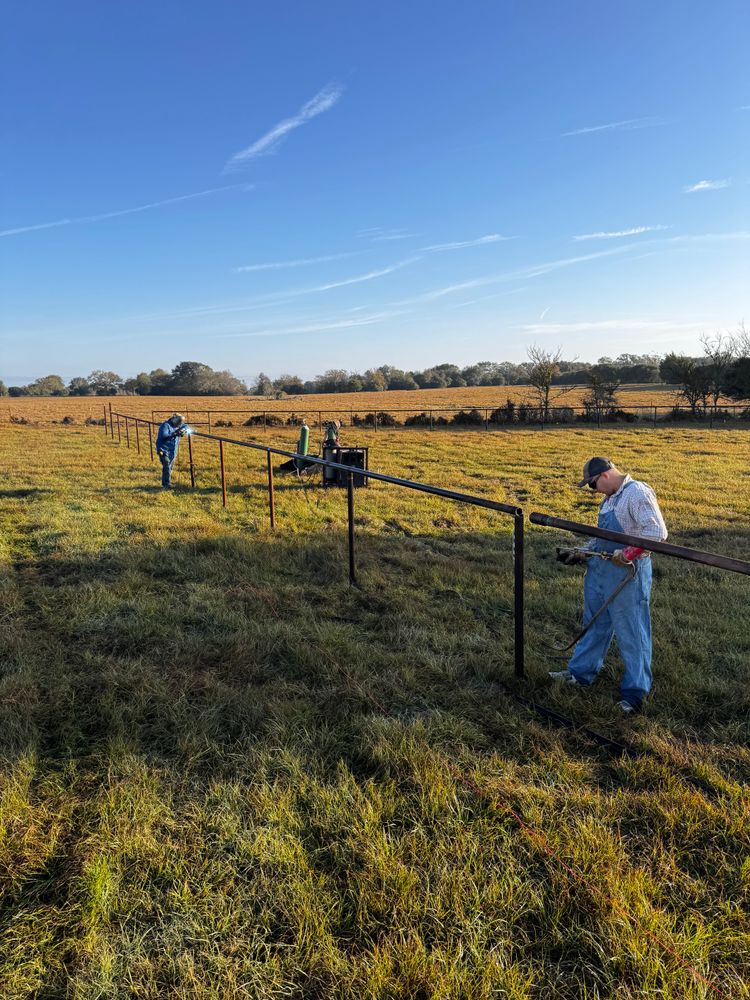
(347, 185)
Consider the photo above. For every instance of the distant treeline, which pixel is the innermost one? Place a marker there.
(192, 378)
(722, 370)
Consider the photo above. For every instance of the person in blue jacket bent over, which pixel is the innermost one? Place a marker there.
(167, 442)
(630, 507)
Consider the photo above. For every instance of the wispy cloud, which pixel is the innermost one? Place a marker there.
(544, 312)
(322, 326)
(268, 143)
(377, 234)
(492, 295)
(628, 125)
(101, 216)
(518, 274)
(357, 279)
(459, 245)
(635, 231)
(278, 265)
(706, 186)
(279, 298)
(658, 328)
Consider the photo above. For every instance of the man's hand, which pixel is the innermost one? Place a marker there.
(571, 557)
(619, 558)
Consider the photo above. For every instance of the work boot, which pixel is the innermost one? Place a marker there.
(626, 708)
(564, 677)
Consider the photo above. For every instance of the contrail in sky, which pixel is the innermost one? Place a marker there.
(79, 220)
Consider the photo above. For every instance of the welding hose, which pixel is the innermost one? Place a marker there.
(597, 614)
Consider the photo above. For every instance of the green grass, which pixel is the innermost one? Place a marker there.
(225, 773)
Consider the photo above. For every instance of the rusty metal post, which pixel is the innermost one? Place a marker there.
(111, 423)
(518, 597)
(271, 505)
(151, 442)
(209, 420)
(265, 422)
(192, 467)
(223, 477)
(127, 432)
(350, 515)
(137, 437)
(432, 426)
(106, 428)
(119, 432)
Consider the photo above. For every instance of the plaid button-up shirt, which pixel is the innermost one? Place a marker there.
(637, 509)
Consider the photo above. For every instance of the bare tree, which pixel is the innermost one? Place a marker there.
(603, 387)
(543, 368)
(741, 341)
(720, 352)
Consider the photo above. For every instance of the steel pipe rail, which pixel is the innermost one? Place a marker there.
(664, 548)
(437, 491)
(503, 508)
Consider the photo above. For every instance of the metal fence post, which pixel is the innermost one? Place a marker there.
(271, 505)
(518, 598)
(151, 442)
(350, 513)
(223, 478)
(209, 421)
(127, 432)
(192, 467)
(432, 426)
(106, 429)
(119, 432)
(137, 436)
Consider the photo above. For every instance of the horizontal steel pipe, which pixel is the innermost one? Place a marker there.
(437, 491)
(665, 548)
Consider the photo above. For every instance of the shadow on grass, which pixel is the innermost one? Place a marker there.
(23, 494)
(220, 641)
(285, 485)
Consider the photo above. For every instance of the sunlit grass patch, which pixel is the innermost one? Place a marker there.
(227, 773)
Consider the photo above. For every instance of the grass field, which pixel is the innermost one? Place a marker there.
(225, 773)
(48, 409)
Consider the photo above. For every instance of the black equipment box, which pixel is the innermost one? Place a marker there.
(355, 457)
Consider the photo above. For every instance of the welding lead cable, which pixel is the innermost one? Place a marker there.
(600, 611)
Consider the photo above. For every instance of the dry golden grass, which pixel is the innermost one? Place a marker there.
(48, 409)
(227, 775)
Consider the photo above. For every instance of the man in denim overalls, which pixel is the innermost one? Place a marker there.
(629, 507)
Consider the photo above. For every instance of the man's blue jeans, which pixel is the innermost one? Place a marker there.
(167, 464)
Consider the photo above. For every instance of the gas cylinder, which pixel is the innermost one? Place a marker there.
(302, 444)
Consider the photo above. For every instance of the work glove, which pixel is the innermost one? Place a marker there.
(571, 557)
(620, 559)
